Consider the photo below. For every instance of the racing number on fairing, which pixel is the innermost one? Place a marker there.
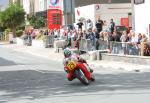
(71, 65)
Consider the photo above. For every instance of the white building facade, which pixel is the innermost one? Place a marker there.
(105, 12)
(142, 17)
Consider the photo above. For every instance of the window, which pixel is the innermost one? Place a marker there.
(139, 1)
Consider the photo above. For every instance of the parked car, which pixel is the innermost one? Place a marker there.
(120, 29)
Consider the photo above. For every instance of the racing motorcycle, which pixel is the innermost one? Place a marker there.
(80, 71)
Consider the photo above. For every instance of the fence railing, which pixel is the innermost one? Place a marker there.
(4, 36)
(124, 48)
(49, 41)
(86, 45)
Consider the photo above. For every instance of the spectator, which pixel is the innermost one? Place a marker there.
(115, 46)
(56, 34)
(89, 24)
(106, 36)
(105, 26)
(74, 38)
(111, 26)
(144, 41)
(69, 34)
(101, 35)
(96, 35)
(139, 38)
(144, 38)
(91, 36)
(133, 47)
(80, 24)
(116, 37)
(62, 32)
(84, 34)
(146, 50)
(74, 35)
(46, 32)
(99, 25)
(80, 35)
(123, 39)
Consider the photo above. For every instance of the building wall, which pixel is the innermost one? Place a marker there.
(105, 12)
(88, 2)
(32, 6)
(69, 17)
(142, 18)
(36, 7)
(42, 6)
(26, 6)
(80, 3)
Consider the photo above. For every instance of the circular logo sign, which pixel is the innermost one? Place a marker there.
(97, 7)
(54, 2)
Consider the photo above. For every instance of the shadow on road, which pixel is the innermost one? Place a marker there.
(5, 62)
(36, 85)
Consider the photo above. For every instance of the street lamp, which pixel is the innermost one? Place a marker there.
(133, 15)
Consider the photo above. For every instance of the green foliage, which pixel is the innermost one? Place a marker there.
(37, 22)
(32, 20)
(41, 22)
(19, 33)
(12, 17)
(7, 31)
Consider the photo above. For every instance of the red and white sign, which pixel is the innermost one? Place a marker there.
(125, 22)
(54, 13)
(97, 7)
(78, 12)
(54, 17)
(55, 4)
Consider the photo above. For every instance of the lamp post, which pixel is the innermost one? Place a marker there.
(133, 15)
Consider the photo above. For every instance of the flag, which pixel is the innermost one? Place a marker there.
(78, 12)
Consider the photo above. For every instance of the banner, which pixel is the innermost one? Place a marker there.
(125, 22)
(54, 17)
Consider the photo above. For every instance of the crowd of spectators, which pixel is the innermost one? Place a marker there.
(131, 43)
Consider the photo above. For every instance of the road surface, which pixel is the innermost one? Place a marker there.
(26, 78)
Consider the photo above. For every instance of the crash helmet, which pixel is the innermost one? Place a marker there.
(67, 52)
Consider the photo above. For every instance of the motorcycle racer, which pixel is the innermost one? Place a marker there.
(68, 56)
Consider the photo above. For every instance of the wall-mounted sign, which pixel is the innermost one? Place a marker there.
(97, 7)
(54, 17)
(125, 22)
(139, 1)
(55, 4)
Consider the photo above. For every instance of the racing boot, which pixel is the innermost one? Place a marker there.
(93, 78)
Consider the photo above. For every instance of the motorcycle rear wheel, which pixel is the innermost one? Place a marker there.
(80, 75)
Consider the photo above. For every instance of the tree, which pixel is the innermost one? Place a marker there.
(37, 22)
(12, 17)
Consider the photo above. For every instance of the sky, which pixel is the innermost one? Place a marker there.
(3, 4)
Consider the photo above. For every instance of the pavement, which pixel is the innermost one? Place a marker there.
(50, 53)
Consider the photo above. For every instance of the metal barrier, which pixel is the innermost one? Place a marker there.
(124, 48)
(27, 40)
(102, 45)
(85, 45)
(49, 41)
(3, 36)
